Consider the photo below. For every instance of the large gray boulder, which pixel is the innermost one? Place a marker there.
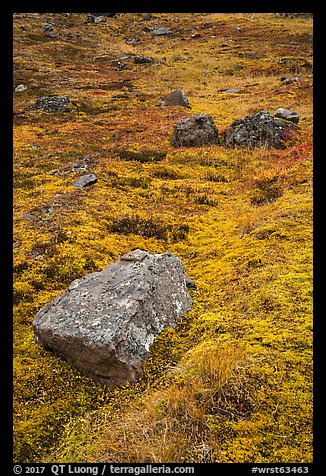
(105, 322)
(195, 131)
(258, 130)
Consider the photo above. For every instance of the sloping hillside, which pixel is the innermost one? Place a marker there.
(233, 381)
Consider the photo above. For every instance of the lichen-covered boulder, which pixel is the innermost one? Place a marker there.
(51, 103)
(161, 32)
(105, 322)
(258, 130)
(195, 131)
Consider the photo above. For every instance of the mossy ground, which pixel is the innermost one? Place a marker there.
(233, 381)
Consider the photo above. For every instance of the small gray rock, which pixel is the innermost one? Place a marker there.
(99, 19)
(29, 216)
(288, 80)
(85, 181)
(147, 16)
(21, 88)
(161, 32)
(46, 209)
(51, 103)
(109, 15)
(143, 59)
(287, 115)
(176, 98)
(232, 90)
(48, 28)
(131, 41)
(120, 64)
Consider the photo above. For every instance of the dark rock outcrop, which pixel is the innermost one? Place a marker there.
(105, 322)
(51, 103)
(143, 59)
(195, 131)
(258, 130)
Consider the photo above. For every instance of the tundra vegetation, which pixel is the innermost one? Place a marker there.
(233, 381)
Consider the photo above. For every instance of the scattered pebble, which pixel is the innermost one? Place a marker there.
(161, 32)
(29, 216)
(85, 181)
(287, 115)
(143, 59)
(48, 28)
(99, 19)
(131, 41)
(147, 16)
(232, 90)
(21, 88)
(292, 79)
